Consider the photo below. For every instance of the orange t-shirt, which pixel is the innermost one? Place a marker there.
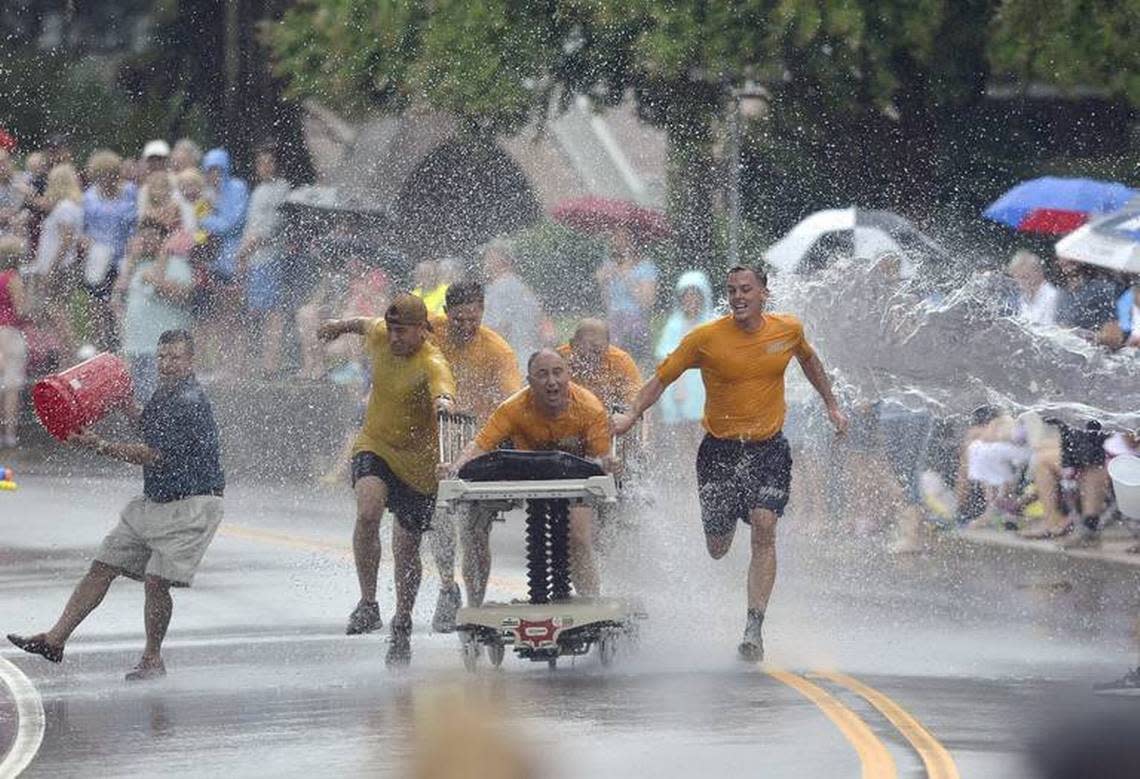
(486, 371)
(743, 373)
(582, 429)
(615, 380)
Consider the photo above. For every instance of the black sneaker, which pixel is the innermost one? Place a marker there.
(446, 608)
(399, 645)
(1129, 684)
(751, 649)
(364, 618)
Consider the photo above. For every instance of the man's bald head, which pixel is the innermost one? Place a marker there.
(549, 379)
(592, 328)
(543, 356)
(590, 342)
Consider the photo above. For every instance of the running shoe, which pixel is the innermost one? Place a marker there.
(399, 644)
(446, 607)
(751, 649)
(1129, 684)
(364, 618)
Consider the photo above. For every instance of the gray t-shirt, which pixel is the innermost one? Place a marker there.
(512, 310)
(263, 220)
(148, 314)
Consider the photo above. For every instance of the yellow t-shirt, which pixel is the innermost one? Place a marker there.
(616, 379)
(485, 369)
(743, 373)
(434, 299)
(582, 429)
(400, 424)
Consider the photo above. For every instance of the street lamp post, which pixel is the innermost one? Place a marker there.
(746, 101)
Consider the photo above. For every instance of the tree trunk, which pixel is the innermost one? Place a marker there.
(691, 184)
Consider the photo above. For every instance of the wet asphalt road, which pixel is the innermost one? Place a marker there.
(981, 646)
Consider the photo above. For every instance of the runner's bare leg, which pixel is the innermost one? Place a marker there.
(371, 497)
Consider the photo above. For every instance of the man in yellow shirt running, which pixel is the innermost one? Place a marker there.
(486, 371)
(744, 465)
(551, 413)
(599, 366)
(395, 458)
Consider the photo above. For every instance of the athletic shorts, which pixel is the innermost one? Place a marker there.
(413, 509)
(735, 477)
(166, 540)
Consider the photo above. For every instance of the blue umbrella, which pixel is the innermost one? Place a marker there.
(1057, 205)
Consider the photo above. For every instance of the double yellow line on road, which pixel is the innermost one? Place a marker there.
(875, 761)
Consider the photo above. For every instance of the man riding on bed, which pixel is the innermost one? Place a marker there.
(550, 413)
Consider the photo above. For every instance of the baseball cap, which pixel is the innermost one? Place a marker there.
(157, 148)
(406, 309)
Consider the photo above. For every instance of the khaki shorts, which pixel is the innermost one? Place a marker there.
(13, 359)
(166, 540)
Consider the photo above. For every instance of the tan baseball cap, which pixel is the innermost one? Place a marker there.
(406, 309)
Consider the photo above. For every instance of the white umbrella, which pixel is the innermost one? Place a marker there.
(862, 233)
(1112, 242)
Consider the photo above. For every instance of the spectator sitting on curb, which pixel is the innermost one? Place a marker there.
(1087, 302)
(1115, 445)
(1037, 298)
(995, 459)
(1128, 313)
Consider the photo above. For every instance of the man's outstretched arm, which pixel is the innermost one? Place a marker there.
(649, 393)
(814, 371)
(331, 329)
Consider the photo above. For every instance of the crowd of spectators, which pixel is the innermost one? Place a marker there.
(1098, 305)
(1001, 469)
(106, 255)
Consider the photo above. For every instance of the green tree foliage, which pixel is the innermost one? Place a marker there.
(1071, 43)
(501, 63)
(877, 100)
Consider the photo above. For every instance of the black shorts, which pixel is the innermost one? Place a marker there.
(413, 509)
(735, 477)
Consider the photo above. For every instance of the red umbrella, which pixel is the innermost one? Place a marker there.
(599, 215)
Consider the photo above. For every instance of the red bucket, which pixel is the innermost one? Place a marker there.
(69, 401)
